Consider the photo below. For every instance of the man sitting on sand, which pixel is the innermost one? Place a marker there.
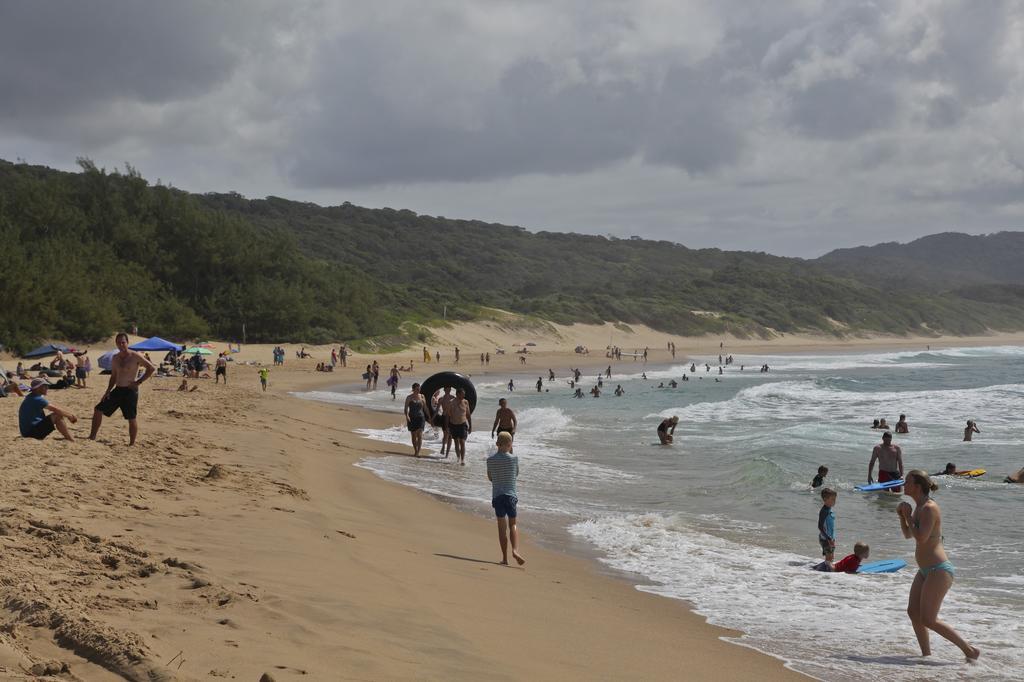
(502, 472)
(33, 422)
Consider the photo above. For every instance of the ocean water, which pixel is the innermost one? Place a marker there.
(725, 519)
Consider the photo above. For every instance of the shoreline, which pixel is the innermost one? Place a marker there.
(237, 539)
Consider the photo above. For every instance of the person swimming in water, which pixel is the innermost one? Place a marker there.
(970, 430)
(819, 479)
(901, 425)
(950, 470)
(619, 392)
(936, 573)
(667, 430)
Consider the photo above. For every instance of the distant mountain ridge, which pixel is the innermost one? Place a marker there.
(943, 262)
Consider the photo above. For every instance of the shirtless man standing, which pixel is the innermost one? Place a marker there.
(123, 388)
(444, 404)
(890, 462)
(504, 420)
(460, 423)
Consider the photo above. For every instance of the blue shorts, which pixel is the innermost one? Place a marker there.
(505, 505)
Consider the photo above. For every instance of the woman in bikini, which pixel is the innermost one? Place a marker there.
(936, 573)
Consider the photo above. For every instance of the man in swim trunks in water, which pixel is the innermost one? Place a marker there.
(901, 425)
(460, 423)
(123, 388)
(504, 420)
(970, 430)
(415, 418)
(890, 462)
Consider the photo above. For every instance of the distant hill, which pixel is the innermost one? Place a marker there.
(90, 252)
(938, 262)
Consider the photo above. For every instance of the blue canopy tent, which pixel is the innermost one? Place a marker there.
(47, 350)
(107, 359)
(155, 343)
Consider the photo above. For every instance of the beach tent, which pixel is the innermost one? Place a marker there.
(48, 349)
(155, 343)
(107, 359)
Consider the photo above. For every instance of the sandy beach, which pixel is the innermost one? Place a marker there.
(237, 539)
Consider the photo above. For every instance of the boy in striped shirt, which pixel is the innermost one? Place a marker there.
(502, 471)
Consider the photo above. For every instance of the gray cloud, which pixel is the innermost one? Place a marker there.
(712, 124)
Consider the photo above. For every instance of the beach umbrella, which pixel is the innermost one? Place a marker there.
(198, 350)
(106, 360)
(48, 349)
(156, 343)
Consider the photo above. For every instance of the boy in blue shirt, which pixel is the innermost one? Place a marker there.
(827, 524)
(33, 422)
(502, 472)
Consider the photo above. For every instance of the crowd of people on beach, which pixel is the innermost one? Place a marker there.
(920, 521)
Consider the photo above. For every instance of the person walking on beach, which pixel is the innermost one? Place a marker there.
(376, 374)
(540, 384)
(460, 424)
(444, 405)
(264, 377)
(890, 462)
(970, 430)
(935, 575)
(502, 472)
(222, 370)
(457, 353)
(415, 417)
(426, 355)
(123, 388)
(33, 422)
(504, 420)
(393, 380)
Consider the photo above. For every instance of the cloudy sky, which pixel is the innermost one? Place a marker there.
(792, 127)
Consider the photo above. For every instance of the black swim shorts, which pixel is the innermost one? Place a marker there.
(459, 431)
(42, 429)
(124, 398)
(222, 371)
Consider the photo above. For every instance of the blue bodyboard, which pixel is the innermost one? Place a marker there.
(875, 487)
(887, 566)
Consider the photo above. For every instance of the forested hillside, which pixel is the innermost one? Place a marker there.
(940, 261)
(91, 252)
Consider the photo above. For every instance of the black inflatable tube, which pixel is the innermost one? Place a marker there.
(452, 380)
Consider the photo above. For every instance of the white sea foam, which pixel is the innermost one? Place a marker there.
(757, 447)
(786, 401)
(822, 623)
